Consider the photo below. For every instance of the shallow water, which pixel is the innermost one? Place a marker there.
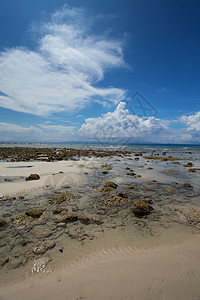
(29, 246)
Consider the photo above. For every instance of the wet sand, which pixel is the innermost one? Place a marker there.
(170, 272)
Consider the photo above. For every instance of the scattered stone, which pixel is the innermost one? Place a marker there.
(58, 210)
(69, 217)
(170, 172)
(84, 219)
(43, 248)
(33, 177)
(131, 174)
(8, 179)
(61, 198)
(114, 201)
(146, 188)
(132, 187)
(107, 167)
(65, 186)
(106, 190)
(110, 184)
(75, 208)
(168, 189)
(105, 172)
(96, 221)
(150, 168)
(162, 158)
(193, 169)
(142, 207)
(188, 165)
(186, 185)
(34, 213)
(3, 224)
(122, 194)
(139, 175)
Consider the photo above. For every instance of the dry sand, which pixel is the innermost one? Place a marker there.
(170, 272)
(49, 174)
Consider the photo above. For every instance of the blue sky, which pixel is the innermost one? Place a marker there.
(70, 70)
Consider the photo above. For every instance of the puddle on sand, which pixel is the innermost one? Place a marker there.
(39, 245)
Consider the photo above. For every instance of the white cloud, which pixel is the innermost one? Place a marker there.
(121, 125)
(14, 132)
(58, 128)
(162, 90)
(61, 75)
(193, 122)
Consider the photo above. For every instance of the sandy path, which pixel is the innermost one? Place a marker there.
(169, 272)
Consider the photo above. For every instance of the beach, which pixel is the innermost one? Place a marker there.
(122, 224)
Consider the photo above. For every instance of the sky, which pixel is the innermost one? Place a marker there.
(108, 70)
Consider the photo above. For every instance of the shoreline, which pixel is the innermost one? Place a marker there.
(165, 272)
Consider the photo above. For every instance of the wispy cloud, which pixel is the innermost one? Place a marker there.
(43, 132)
(58, 128)
(63, 72)
(162, 90)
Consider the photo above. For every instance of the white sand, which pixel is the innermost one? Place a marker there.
(169, 272)
(72, 173)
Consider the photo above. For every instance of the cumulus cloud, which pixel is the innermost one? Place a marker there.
(120, 125)
(63, 72)
(193, 122)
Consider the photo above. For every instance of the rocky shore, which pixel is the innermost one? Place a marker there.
(115, 198)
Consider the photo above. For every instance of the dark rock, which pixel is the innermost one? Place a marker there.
(57, 210)
(33, 177)
(122, 194)
(3, 224)
(61, 198)
(142, 207)
(69, 217)
(106, 190)
(107, 167)
(132, 187)
(186, 185)
(188, 165)
(34, 213)
(131, 174)
(111, 184)
(8, 179)
(105, 172)
(84, 219)
(146, 188)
